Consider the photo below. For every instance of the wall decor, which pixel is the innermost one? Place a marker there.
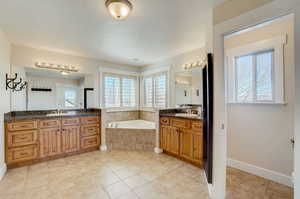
(14, 84)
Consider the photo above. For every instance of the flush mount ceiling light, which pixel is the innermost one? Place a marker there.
(119, 9)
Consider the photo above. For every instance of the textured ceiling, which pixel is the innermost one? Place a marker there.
(156, 29)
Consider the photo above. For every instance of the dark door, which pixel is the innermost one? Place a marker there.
(208, 117)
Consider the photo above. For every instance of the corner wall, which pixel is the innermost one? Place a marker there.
(5, 96)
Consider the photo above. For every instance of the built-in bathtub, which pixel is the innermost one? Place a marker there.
(131, 135)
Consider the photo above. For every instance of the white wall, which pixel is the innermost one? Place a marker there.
(5, 97)
(257, 124)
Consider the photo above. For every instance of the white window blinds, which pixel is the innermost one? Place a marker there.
(148, 89)
(112, 91)
(160, 94)
(128, 92)
(155, 91)
(119, 91)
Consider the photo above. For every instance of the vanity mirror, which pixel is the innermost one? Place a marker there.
(188, 87)
(52, 90)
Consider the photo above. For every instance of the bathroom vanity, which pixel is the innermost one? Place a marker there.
(34, 136)
(182, 137)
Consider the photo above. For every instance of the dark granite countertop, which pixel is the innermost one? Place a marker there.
(174, 115)
(41, 115)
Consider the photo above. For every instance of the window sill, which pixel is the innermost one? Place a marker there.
(109, 110)
(257, 103)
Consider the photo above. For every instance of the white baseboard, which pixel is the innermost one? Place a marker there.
(265, 173)
(158, 150)
(103, 148)
(3, 169)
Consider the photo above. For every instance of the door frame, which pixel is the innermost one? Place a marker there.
(272, 10)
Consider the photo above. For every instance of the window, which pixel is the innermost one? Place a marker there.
(155, 89)
(70, 98)
(254, 77)
(255, 72)
(119, 91)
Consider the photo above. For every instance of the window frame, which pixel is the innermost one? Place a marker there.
(278, 82)
(121, 77)
(254, 77)
(153, 76)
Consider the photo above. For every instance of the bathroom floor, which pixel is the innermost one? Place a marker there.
(107, 175)
(242, 185)
(128, 175)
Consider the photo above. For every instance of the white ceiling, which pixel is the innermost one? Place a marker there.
(156, 29)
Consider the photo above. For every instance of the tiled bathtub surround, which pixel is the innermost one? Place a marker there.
(148, 116)
(116, 116)
(130, 139)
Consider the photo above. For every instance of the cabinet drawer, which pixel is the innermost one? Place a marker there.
(88, 130)
(23, 125)
(70, 121)
(197, 126)
(180, 123)
(49, 123)
(89, 142)
(90, 120)
(21, 138)
(21, 154)
(165, 121)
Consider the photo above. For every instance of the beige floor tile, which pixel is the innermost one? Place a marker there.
(135, 181)
(129, 195)
(125, 173)
(118, 189)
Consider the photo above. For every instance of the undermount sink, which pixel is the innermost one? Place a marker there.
(186, 115)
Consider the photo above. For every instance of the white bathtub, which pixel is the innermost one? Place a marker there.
(132, 124)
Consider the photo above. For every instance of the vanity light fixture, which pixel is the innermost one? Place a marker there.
(119, 9)
(63, 69)
(197, 64)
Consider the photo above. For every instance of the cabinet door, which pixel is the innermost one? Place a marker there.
(164, 137)
(173, 140)
(186, 144)
(198, 147)
(70, 139)
(50, 142)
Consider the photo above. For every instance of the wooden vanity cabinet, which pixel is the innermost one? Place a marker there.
(36, 140)
(182, 138)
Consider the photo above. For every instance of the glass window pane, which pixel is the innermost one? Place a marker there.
(128, 92)
(112, 91)
(264, 89)
(70, 98)
(244, 78)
